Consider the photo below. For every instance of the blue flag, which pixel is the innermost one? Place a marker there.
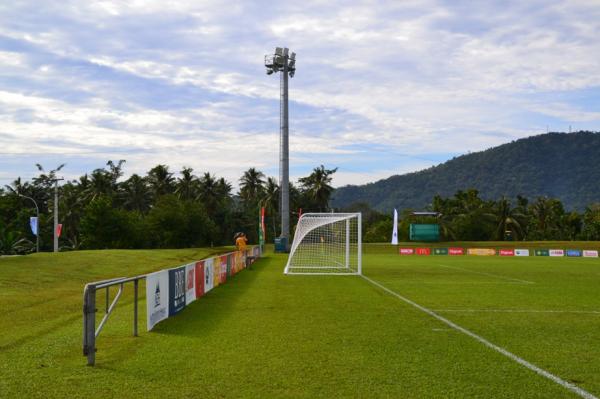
(33, 222)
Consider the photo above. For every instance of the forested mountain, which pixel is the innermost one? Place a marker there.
(557, 165)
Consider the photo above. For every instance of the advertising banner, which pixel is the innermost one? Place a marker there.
(541, 252)
(506, 252)
(176, 290)
(395, 229)
(590, 253)
(556, 252)
(481, 251)
(456, 251)
(209, 279)
(521, 252)
(190, 283)
(573, 252)
(407, 251)
(223, 271)
(440, 251)
(33, 223)
(231, 265)
(157, 297)
(216, 271)
(199, 274)
(423, 251)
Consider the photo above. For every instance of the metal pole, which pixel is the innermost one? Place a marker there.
(89, 324)
(284, 162)
(135, 307)
(55, 215)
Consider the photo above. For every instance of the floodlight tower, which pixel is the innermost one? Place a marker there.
(285, 62)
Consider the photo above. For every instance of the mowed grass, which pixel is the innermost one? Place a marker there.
(263, 334)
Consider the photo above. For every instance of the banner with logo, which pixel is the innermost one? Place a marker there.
(157, 297)
(440, 251)
(176, 290)
(481, 251)
(190, 283)
(199, 275)
(407, 251)
(521, 252)
(456, 251)
(423, 251)
(573, 252)
(216, 271)
(590, 253)
(556, 252)
(223, 270)
(506, 252)
(541, 252)
(33, 222)
(209, 279)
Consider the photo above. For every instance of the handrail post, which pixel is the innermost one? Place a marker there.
(89, 324)
(135, 307)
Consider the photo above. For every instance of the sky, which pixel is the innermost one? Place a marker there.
(381, 88)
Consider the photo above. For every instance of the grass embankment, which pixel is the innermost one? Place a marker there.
(264, 334)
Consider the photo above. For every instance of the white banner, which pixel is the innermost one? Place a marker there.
(395, 230)
(190, 283)
(521, 252)
(556, 252)
(590, 253)
(208, 275)
(157, 297)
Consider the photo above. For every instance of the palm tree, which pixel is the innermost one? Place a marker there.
(508, 219)
(161, 181)
(270, 200)
(317, 188)
(251, 186)
(187, 185)
(136, 194)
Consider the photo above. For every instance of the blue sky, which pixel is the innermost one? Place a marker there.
(381, 87)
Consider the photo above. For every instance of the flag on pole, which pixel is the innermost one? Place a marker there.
(395, 231)
(33, 222)
(261, 227)
(58, 229)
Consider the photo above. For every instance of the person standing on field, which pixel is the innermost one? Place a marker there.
(241, 241)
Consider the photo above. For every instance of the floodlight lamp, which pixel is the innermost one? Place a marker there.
(278, 51)
(285, 51)
(293, 56)
(269, 72)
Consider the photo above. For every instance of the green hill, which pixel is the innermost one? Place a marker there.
(558, 165)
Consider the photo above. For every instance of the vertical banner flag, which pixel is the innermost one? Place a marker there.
(395, 231)
(176, 290)
(157, 297)
(208, 275)
(190, 283)
(33, 222)
(58, 229)
(262, 232)
(199, 279)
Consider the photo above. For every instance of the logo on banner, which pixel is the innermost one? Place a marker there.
(190, 281)
(157, 295)
(176, 290)
(590, 254)
(507, 252)
(556, 252)
(157, 298)
(456, 251)
(481, 251)
(521, 252)
(423, 251)
(407, 251)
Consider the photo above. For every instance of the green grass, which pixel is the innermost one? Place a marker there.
(264, 334)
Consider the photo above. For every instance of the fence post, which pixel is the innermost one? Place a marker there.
(135, 307)
(89, 324)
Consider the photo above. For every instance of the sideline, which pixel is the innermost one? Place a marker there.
(565, 384)
(516, 311)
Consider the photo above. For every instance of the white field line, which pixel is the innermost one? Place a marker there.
(517, 311)
(488, 274)
(572, 387)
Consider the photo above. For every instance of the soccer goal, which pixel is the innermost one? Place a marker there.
(326, 243)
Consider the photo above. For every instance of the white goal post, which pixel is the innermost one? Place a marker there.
(326, 243)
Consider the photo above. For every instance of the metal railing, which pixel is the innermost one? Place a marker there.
(90, 332)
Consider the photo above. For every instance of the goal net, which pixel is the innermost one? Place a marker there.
(326, 243)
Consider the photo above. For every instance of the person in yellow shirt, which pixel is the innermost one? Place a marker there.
(241, 241)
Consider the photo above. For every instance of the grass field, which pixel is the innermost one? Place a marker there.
(264, 334)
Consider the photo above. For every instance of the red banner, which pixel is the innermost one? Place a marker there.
(199, 279)
(262, 223)
(506, 252)
(58, 229)
(407, 251)
(456, 251)
(423, 251)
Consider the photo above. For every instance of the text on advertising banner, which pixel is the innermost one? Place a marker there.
(157, 297)
(590, 253)
(407, 251)
(208, 275)
(556, 252)
(423, 251)
(224, 264)
(456, 251)
(190, 283)
(506, 252)
(573, 252)
(199, 278)
(440, 251)
(176, 290)
(541, 252)
(521, 252)
(481, 251)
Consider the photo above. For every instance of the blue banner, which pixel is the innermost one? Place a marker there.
(177, 288)
(33, 222)
(574, 252)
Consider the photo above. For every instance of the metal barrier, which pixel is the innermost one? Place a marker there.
(90, 332)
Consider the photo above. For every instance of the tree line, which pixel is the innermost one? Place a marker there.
(157, 210)
(467, 217)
